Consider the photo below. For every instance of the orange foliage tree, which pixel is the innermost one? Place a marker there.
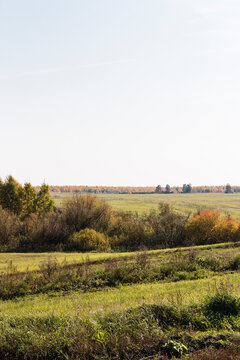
(208, 227)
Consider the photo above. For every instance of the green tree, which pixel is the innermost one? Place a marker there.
(228, 189)
(167, 189)
(29, 199)
(23, 200)
(44, 203)
(12, 195)
(187, 188)
(158, 189)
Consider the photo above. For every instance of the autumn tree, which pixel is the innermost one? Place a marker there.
(208, 227)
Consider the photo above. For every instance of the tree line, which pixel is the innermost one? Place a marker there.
(188, 188)
(30, 222)
(139, 189)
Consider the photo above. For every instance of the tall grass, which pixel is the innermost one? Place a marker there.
(164, 331)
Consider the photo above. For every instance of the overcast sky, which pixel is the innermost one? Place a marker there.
(120, 92)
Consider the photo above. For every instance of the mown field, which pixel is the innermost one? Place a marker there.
(121, 305)
(183, 203)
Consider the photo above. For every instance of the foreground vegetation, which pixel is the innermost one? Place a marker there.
(54, 327)
(139, 305)
(143, 305)
(159, 330)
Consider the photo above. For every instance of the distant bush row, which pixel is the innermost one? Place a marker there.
(87, 223)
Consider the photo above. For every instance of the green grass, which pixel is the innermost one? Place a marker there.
(32, 261)
(58, 324)
(183, 203)
(9, 262)
(86, 305)
(89, 303)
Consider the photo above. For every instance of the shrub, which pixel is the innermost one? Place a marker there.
(226, 229)
(235, 263)
(222, 304)
(168, 227)
(176, 349)
(9, 228)
(87, 240)
(87, 211)
(200, 228)
(132, 232)
(208, 228)
(46, 231)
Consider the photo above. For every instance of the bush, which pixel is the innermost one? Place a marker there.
(131, 231)
(168, 227)
(235, 263)
(209, 228)
(87, 240)
(222, 304)
(9, 228)
(226, 229)
(87, 211)
(176, 349)
(45, 232)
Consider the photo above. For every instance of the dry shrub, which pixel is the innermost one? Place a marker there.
(131, 231)
(87, 211)
(168, 227)
(9, 228)
(48, 230)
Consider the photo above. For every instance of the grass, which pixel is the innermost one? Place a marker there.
(32, 261)
(9, 262)
(87, 305)
(183, 203)
(157, 331)
(119, 323)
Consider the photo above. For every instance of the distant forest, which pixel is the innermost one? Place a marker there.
(142, 189)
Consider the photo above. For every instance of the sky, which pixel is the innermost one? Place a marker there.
(120, 92)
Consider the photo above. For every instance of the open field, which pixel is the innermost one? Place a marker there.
(184, 203)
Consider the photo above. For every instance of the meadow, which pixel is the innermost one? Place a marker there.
(48, 319)
(183, 203)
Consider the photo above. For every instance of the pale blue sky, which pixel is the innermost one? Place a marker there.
(120, 92)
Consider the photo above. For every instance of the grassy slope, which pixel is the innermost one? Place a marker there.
(184, 203)
(46, 325)
(9, 262)
(88, 304)
(124, 297)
